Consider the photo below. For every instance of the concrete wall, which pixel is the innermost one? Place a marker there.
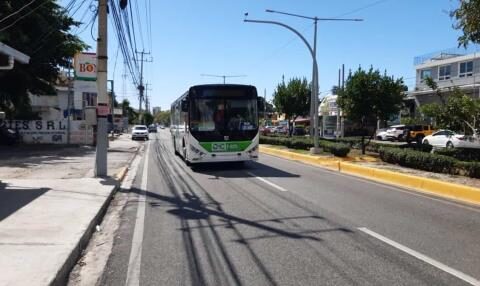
(52, 131)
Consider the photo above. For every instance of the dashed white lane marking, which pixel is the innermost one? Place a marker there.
(424, 258)
(267, 182)
(134, 262)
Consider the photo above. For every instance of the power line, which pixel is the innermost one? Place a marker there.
(361, 8)
(139, 21)
(26, 15)
(18, 11)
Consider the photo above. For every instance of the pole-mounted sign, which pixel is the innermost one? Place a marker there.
(85, 65)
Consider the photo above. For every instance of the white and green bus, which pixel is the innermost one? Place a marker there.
(216, 123)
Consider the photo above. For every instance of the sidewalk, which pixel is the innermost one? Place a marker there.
(49, 204)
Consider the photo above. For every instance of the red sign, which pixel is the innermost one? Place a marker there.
(103, 109)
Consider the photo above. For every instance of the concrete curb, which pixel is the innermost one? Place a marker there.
(63, 274)
(453, 191)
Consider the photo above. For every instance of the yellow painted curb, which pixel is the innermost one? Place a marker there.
(121, 174)
(330, 163)
(424, 185)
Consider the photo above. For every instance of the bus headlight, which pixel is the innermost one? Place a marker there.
(195, 150)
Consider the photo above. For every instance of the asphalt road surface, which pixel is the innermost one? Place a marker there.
(278, 222)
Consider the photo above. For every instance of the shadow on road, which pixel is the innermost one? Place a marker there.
(24, 156)
(13, 198)
(189, 206)
(238, 170)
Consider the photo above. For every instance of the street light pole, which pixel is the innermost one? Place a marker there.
(315, 148)
(315, 85)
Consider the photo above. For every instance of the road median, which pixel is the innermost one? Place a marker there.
(425, 185)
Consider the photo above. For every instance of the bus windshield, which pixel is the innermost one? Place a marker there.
(223, 115)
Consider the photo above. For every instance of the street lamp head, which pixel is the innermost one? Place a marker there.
(269, 11)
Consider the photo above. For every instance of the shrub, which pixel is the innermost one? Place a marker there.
(337, 149)
(464, 154)
(470, 169)
(419, 160)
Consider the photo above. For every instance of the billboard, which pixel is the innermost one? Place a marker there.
(85, 65)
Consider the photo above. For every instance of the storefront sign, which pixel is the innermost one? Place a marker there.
(85, 65)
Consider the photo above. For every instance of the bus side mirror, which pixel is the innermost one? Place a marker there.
(184, 105)
(260, 104)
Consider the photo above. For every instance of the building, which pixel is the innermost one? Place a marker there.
(448, 68)
(156, 110)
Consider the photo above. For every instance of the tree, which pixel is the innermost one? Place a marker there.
(292, 99)
(370, 96)
(44, 36)
(467, 17)
(458, 112)
(148, 118)
(131, 114)
(163, 117)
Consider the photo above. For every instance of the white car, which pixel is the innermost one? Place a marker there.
(140, 132)
(381, 134)
(395, 132)
(450, 139)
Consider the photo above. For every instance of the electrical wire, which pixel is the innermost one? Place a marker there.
(139, 21)
(18, 11)
(26, 15)
(361, 8)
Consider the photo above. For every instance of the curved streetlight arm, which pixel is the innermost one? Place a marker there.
(314, 78)
(288, 27)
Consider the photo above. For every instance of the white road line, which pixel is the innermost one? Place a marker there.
(268, 182)
(133, 273)
(424, 258)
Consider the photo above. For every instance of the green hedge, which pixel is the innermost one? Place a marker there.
(464, 154)
(305, 143)
(429, 162)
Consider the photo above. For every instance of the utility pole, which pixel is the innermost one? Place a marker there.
(147, 99)
(69, 101)
(141, 88)
(265, 106)
(102, 97)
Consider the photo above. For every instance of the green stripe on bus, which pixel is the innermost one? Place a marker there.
(232, 146)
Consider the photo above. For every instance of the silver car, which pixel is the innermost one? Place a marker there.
(140, 132)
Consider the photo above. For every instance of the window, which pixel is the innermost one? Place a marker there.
(425, 73)
(444, 72)
(466, 69)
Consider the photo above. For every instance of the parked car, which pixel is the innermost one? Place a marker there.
(161, 126)
(418, 132)
(152, 128)
(140, 132)
(450, 139)
(396, 132)
(381, 134)
(265, 130)
(280, 130)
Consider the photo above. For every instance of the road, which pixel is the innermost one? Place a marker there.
(278, 222)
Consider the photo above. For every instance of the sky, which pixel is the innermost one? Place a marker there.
(191, 37)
